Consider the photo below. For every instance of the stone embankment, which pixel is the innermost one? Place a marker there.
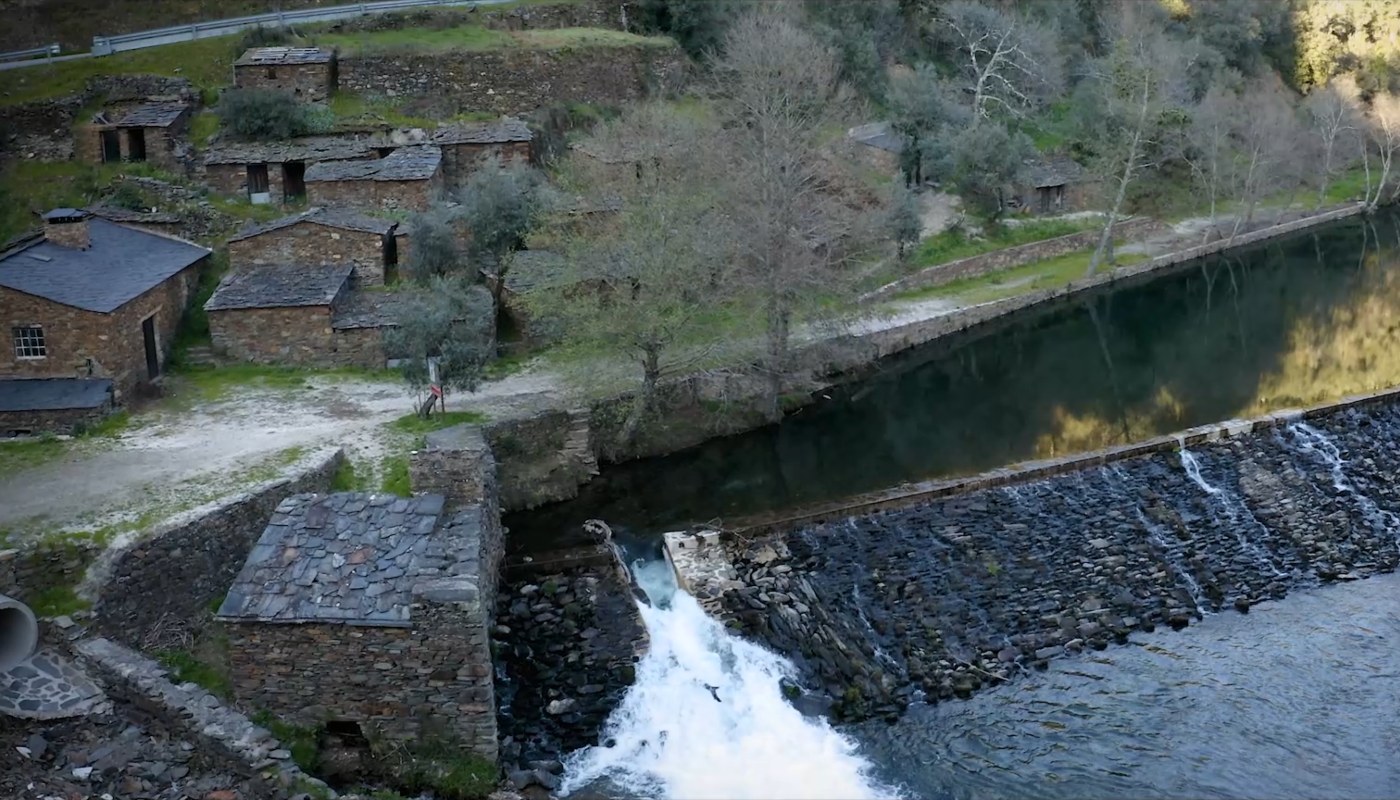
(946, 592)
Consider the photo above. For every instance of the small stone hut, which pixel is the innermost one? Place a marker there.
(374, 246)
(1052, 185)
(309, 73)
(278, 314)
(152, 132)
(275, 172)
(409, 178)
(374, 611)
(464, 146)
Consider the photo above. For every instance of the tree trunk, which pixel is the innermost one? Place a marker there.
(779, 320)
(644, 409)
(1105, 246)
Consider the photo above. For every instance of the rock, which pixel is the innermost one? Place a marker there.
(222, 794)
(765, 555)
(557, 707)
(280, 754)
(82, 773)
(1242, 604)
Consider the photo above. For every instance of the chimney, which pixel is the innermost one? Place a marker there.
(68, 227)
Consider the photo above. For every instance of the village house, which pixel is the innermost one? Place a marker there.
(466, 145)
(274, 172)
(530, 270)
(151, 132)
(278, 314)
(89, 300)
(368, 615)
(373, 246)
(309, 73)
(1052, 185)
(409, 179)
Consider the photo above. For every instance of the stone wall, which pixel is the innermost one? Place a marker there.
(297, 336)
(44, 128)
(542, 458)
(373, 195)
(459, 161)
(172, 575)
(309, 244)
(165, 148)
(998, 260)
(29, 570)
(310, 83)
(111, 342)
(515, 80)
(358, 347)
(65, 421)
(961, 585)
(458, 464)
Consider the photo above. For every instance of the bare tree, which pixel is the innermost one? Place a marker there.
(1333, 118)
(778, 96)
(1009, 64)
(1208, 148)
(1267, 136)
(1138, 87)
(1382, 138)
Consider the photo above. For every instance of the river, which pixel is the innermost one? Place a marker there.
(1297, 699)
(1305, 319)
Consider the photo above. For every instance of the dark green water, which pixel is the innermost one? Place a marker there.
(1300, 320)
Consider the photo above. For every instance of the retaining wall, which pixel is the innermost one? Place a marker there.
(176, 573)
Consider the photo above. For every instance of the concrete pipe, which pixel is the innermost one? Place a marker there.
(19, 633)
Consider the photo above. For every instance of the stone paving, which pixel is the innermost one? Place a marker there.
(47, 686)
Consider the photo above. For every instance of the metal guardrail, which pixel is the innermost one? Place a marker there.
(107, 45)
(48, 51)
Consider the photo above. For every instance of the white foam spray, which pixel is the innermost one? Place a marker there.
(706, 719)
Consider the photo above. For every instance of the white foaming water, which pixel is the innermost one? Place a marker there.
(1311, 440)
(1238, 512)
(706, 719)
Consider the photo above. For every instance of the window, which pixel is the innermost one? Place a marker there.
(29, 342)
(272, 73)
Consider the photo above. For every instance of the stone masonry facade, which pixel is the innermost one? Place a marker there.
(112, 343)
(310, 243)
(410, 195)
(310, 83)
(296, 336)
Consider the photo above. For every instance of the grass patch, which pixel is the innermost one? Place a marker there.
(347, 479)
(208, 384)
(29, 188)
(203, 127)
(194, 327)
(207, 63)
(954, 244)
(301, 741)
(412, 423)
(443, 769)
(395, 478)
(186, 668)
(1045, 274)
(1348, 186)
(25, 454)
(475, 37)
(57, 601)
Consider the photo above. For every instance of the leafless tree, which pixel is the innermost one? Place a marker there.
(1208, 148)
(1267, 138)
(1138, 86)
(1009, 64)
(1381, 141)
(1334, 123)
(778, 97)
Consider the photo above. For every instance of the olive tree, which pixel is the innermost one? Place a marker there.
(446, 325)
(435, 251)
(500, 205)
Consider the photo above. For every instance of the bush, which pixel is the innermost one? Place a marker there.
(263, 37)
(262, 114)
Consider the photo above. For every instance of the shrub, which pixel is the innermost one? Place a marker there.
(263, 37)
(262, 114)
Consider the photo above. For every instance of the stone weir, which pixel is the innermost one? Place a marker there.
(961, 585)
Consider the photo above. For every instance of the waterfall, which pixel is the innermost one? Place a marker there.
(706, 718)
(1315, 442)
(1237, 512)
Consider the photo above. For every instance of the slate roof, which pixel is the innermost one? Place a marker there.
(507, 129)
(350, 557)
(537, 269)
(878, 135)
(309, 149)
(1052, 171)
(343, 219)
(416, 163)
(151, 115)
(280, 287)
(375, 309)
(127, 215)
(276, 56)
(122, 264)
(54, 394)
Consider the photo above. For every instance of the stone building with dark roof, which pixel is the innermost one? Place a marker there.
(153, 132)
(372, 245)
(278, 314)
(308, 73)
(466, 145)
(1052, 185)
(93, 300)
(373, 611)
(409, 178)
(275, 172)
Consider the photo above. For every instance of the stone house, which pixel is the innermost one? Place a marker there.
(151, 132)
(309, 73)
(877, 145)
(275, 172)
(1052, 185)
(465, 145)
(91, 299)
(371, 614)
(373, 246)
(409, 178)
(278, 314)
(530, 270)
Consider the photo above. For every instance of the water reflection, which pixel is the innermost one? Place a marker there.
(1300, 320)
(1296, 700)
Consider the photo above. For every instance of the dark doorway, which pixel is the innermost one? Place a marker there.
(293, 181)
(135, 144)
(390, 249)
(148, 333)
(257, 179)
(111, 147)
